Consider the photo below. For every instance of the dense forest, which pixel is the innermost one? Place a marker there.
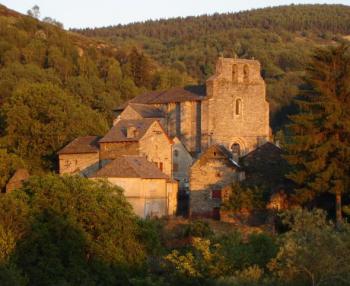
(281, 38)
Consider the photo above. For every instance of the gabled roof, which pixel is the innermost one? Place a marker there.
(265, 153)
(266, 166)
(176, 94)
(147, 111)
(217, 152)
(118, 133)
(130, 167)
(81, 145)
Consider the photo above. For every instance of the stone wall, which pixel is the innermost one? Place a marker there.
(182, 162)
(85, 164)
(205, 178)
(237, 108)
(147, 196)
(172, 193)
(156, 146)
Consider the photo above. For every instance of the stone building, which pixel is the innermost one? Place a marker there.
(82, 155)
(149, 191)
(235, 112)
(144, 137)
(209, 175)
(216, 124)
(231, 110)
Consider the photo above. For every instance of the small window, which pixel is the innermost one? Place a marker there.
(236, 149)
(176, 153)
(67, 163)
(245, 72)
(238, 106)
(175, 167)
(234, 72)
(216, 194)
(161, 166)
(214, 153)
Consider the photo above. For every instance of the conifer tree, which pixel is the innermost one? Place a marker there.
(319, 148)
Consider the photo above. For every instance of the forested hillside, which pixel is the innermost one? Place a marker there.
(282, 38)
(56, 85)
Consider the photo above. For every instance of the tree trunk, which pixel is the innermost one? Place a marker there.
(339, 217)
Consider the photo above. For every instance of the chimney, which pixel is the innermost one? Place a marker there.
(131, 132)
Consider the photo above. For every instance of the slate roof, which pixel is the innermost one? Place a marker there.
(130, 167)
(147, 111)
(265, 166)
(81, 145)
(118, 133)
(216, 152)
(176, 94)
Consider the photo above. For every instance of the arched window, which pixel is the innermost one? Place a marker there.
(245, 72)
(236, 149)
(234, 72)
(176, 153)
(238, 106)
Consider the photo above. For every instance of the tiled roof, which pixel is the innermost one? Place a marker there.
(147, 111)
(118, 133)
(87, 144)
(130, 167)
(176, 94)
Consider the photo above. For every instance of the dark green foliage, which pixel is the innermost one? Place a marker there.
(69, 231)
(199, 228)
(41, 118)
(257, 249)
(319, 147)
(313, 252)
(244, 198)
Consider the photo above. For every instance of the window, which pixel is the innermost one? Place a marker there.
(216, 194)
(161, 166)
(176, 153)
(238, 106)
(234, 72)
(245, 72)
(175, 167)
(236, 149)
(67, 163)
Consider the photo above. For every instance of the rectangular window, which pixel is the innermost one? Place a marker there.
(216, 194)
(161, 166)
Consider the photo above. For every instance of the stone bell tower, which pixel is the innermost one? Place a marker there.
(236, 113)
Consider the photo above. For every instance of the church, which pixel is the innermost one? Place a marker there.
(184, 138)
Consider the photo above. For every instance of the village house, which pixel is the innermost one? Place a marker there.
(145, 137)
(81, 156)
(209, 175)
(150, 192)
